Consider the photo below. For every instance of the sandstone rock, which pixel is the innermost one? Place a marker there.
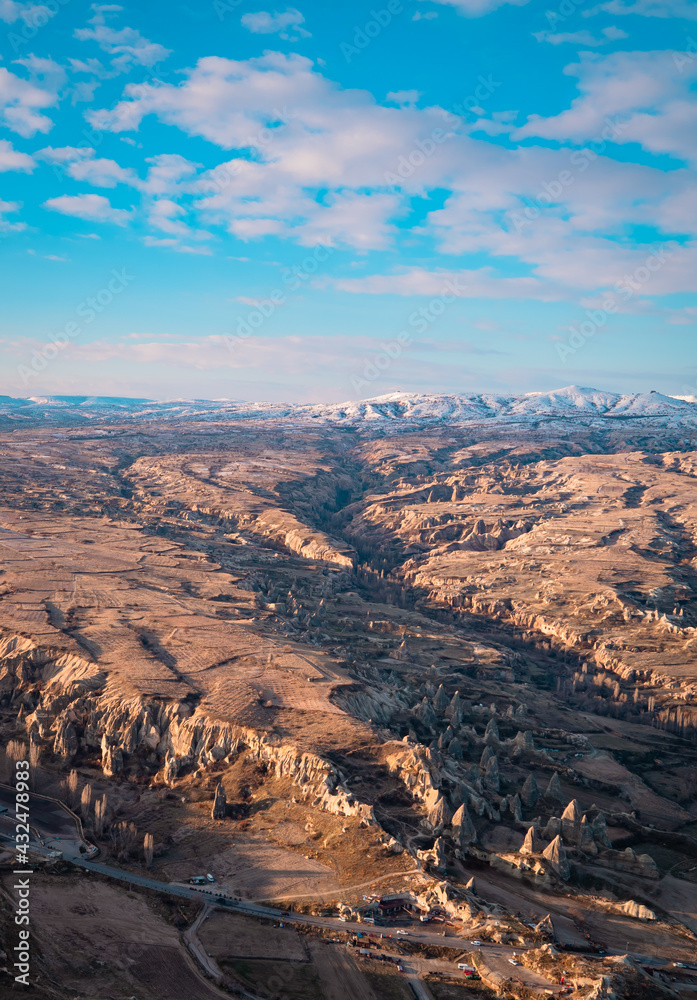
(439, 815)
(529, 793)
(435, 856)
(552, 829)
(555, 853)
(491, 734)
(440, 700)
(65, 744)
(571, 823)
(492, 777)
(648, 864)
(531, 844)
(586, 841)
(454, 711)
(464, 827)
(439, 854)
(636, 910)
(524, 741)
(487, 755)
(112, 760)
(600, 834)
(515, 806)
(424, 712)
(219, 810)
(546, 927)
(554, 791)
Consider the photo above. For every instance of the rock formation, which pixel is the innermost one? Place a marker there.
(492, 778)
(553, 791)
(571, 823)
(439, 815)
(555, 853)
(529, 793)
(219, 810)
(531, 843)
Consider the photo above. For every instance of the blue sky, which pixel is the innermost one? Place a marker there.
(323, 202)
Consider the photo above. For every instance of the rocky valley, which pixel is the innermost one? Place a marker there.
(438, 651)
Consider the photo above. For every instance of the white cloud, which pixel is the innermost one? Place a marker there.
(11, 159)
(638, 94)
(403, 97)
(287, 24)
(331, 139)
(649, 8)
(20, 104)
(466, 284)
(352, 219)
(64, 154)
(93, 207)
(341, 169)
(166, 173)
(9, 11)
(583, 37)
(127, 46)
(33, 14)
(176, 245)
(6, 208)
(476, 8)
(165, 215)
(101, 173)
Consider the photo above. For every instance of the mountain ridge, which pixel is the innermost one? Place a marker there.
(419, 409)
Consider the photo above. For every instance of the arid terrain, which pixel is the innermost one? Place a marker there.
(333, 656)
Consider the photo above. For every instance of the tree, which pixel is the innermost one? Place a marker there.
(16, 750)
(100, 808)
(34, 759)
(71, 784)
(123, 836)
(148, 849)
(86, 801)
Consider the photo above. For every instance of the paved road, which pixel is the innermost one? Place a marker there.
(46, 812)
(419, 988)
(191, 940)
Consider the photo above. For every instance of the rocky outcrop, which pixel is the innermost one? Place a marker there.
(65, 743)
(555, 854)
(600, 834)
(492, 778)
(529, 793)
(219, 809)
(439, 815)
(463, 827)
(571, 823)
(553, 791)
(92, 710)
(435, 856)
(531, 844)
(636, 910)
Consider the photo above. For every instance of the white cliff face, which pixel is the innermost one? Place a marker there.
(77, 703)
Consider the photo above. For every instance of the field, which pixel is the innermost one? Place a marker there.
(229, 936)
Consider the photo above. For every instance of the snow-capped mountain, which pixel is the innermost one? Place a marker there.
(410, 410)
